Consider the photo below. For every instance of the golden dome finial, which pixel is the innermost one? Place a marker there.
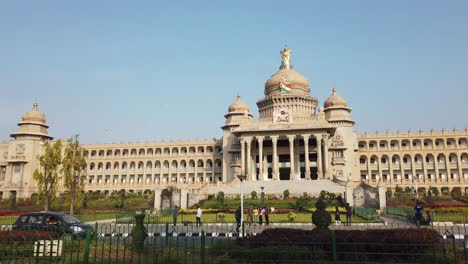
(35, 105)
(334, 91)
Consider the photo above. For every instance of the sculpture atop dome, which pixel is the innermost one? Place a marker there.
(285, 59)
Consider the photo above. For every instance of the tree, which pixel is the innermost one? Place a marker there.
(48, 176)
(73, 168)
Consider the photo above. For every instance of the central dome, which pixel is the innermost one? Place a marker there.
(286, 80)
(297, 81)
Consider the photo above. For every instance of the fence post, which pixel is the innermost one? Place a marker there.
(202, 247)
(333, 237)
(167, 232)
(95, 235)
(243, 229)
(87, 243)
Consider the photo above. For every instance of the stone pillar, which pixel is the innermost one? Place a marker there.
(459, 167)
(436, 169)
(448, 170)
(157, 198)
(274, 140)
(349, 196)
(249, 173)
(242, 145)
(380, 168)
(402, 169)
(319, 157)
(260, 158)
(390, 169)
(413, 169)
(184, 198)
(306, 156)
(382, 196)
(292, 173)
(325, 156)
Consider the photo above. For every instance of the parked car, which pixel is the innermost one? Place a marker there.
(52, 221)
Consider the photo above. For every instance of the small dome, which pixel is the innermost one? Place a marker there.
(34, 116)
(288, 76)
(238, 106)
(335, 100)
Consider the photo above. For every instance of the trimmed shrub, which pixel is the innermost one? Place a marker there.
(434, 191)
(367, 245)
(286, 194)
(445, 191)
(253, 195)
(456, 192)
(389, 192)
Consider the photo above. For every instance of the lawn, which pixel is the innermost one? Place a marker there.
(234, 203)
(229, 218)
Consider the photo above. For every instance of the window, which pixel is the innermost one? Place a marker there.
(403, 144)
(362, 161)
(35, 219)
(382, 145)
(372, 160)
(414, 144)
(338, 154)
(383, 160)
(406, 176)
(393, 160)
(371, 145)
(405, 160)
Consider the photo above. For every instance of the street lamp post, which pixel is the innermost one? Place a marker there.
(242, 178)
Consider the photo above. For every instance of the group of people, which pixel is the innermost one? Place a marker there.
(349, 214)
(257, 214)
(254, 215)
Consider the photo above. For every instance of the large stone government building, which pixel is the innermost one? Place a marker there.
(293, 144)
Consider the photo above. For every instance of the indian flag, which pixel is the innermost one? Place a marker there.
(285, 87)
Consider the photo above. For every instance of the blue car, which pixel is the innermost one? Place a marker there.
(62, 223)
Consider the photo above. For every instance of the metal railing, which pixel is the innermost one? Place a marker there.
(113, 243)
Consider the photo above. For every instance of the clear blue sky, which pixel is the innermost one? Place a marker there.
(125, 71)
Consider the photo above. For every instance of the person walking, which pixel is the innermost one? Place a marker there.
(418, 213)
(199, 214)
(349, 214)
(337, 216)
(255, 215)
(250, 214)
(175, 215)
(267, 215)
(238, 216)
(260, 215)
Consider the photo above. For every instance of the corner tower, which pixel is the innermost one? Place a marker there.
(21, 157)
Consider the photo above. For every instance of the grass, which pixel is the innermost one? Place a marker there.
(229, 218)
(234, 203)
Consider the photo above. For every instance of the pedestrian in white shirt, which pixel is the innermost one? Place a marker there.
(199, 213)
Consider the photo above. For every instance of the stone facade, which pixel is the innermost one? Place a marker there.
(293, 144)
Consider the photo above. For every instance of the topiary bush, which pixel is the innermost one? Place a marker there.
(286, 194)
(434, 191)
(456, 192)
(253, 195)
(321, 218)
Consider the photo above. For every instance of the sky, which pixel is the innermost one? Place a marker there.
(135, 71)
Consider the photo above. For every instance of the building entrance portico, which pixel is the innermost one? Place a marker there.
(283, 156)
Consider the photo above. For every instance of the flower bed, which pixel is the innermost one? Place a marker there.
(9, 212)
(26, 235)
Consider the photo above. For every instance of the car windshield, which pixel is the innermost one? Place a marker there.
(70, 219)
